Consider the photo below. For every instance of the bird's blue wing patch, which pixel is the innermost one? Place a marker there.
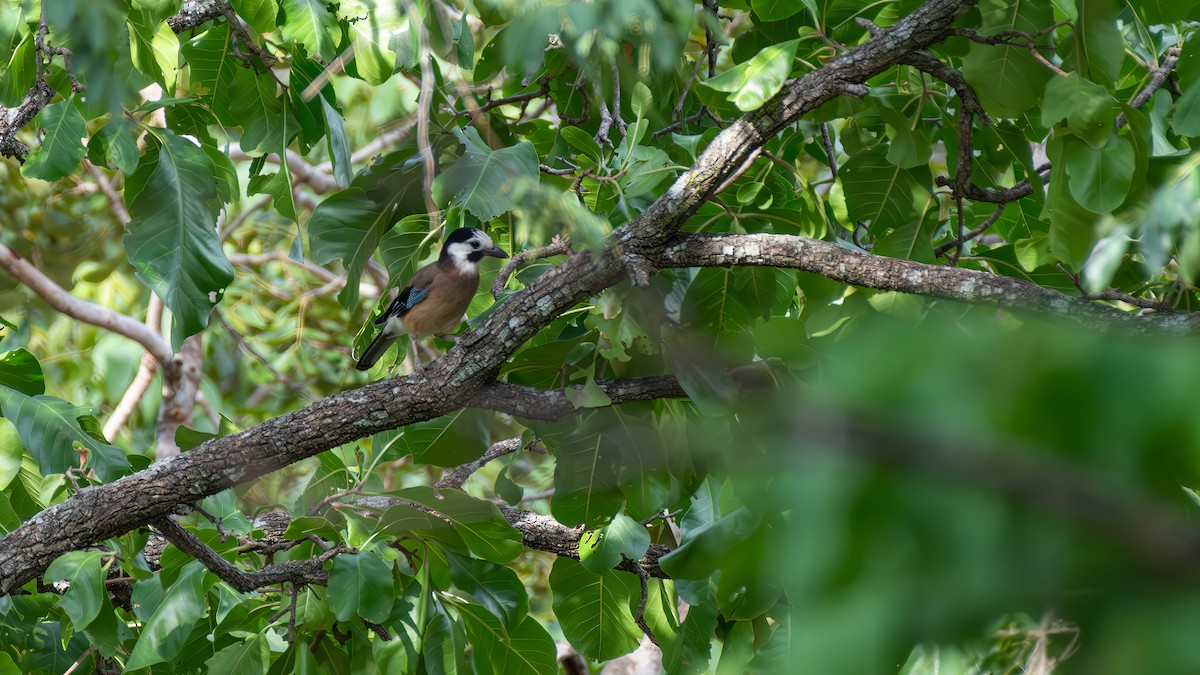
(408, 298)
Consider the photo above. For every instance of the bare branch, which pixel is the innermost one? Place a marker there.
(454, 478)
(558, 246)
(82, 310)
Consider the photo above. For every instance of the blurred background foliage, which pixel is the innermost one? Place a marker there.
(859, 481)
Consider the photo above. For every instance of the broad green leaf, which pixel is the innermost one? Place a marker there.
(83, 599)
(50, 430)
(738, 649)
(882, 194)
(582, 141)
(154, 48)
(705, 548)
(594, 609)
(641, 100)
(586, 486)
(1072, 227)
(62, 147)
(1185, 119)
(1106, 257)
(360, 584)
(371, 38)
(527, 648)
(482, 180)
(259, 14)
(1099, 47)
(11, 454)
(212, 67)
(1100, 179)
(494, 586)
(114, 146)
(1088, 108)
(309, 112)
(21, 371)
(478, 522)
(277, 184)
(311, 23)
(752, 83)
(441, 652)
(690, 651)
(775, 10)
(1165, 11)
(267, 121)
(454, 439)
(347, 226)
(174, 617)
(242, 657)
(172, 240)
(18, 77)
(1008, 79)
(604, 549)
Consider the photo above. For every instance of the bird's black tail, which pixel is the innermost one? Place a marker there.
(375, 351)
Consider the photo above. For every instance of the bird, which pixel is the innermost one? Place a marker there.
(437, 296)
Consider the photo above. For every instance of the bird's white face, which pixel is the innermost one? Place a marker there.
(467, 254)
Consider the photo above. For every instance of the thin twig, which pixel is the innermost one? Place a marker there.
(454, 478)
(1158, 77)
(559, 245)
(957, 242)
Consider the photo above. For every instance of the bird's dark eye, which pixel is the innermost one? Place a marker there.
(474, 243)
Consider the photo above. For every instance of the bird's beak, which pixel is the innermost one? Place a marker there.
(495, 252)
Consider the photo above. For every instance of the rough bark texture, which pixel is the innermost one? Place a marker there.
(891, 274)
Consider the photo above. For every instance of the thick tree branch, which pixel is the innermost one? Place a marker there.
(891, 274)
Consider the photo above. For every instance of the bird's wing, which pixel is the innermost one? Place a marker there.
(416, 291)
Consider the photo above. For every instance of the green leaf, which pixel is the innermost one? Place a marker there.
(603, 549)
(11, 455)
(278, 184)
(582, 141)
(167, 629)
(526, 649)
(242, 658)
(268, 123)
(882, 194)
(1098, 43)
(1165, 11)
(1106, 257)
(347, 226)
(440, 651)
(641, 99)
(1072, 227)
(478, 522)
(154, 48)
(83, 599)
(586, 486)
(360, 584)
(1100, 179)
(370, 38)
(1088, 108)
(775, 10)
(212, 69)
(690, 651)
(21, 371)
(494, 586)
(705, 547)
(259, 14)
(1008, 79)
(1185, 119)
(483, 180)
(49, 428)
(20, 74)
(752, 83)
(337, 144)
(311, 23)
(593, 609)
(62, 146)
(114, 146)
(454, 439)
(172, 240)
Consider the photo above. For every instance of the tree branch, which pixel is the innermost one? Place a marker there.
(891, 274)
(82, 310)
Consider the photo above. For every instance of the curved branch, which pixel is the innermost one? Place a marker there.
(82, 310)
(891, 274)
